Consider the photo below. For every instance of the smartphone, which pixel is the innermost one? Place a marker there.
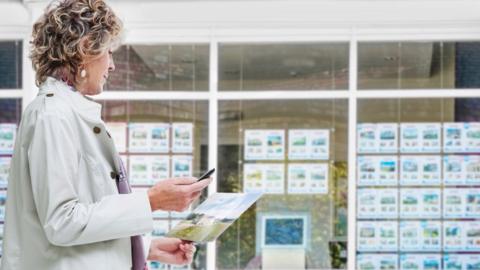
(206, 175)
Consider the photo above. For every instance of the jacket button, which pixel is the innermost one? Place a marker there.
(113, 175)
(96, 130)
(49, 95)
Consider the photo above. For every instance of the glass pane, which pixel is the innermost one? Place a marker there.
(161, 67)
(418, 183)
(302, 66)
(10, 65)
(418, 65)
(10, 114)
(296, 153)
(159, 140)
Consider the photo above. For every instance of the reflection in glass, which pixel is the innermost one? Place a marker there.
(310, 226)
(160, 67)
(11, 64)
(155, 115)
(11, 110)
(418, 65)
(302, 66)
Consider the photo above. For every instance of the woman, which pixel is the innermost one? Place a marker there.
(69, 205)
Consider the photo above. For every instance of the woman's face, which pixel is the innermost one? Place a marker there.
(97, 70)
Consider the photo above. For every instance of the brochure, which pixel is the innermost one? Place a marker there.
(212, 217)
(139, 172)
(253, 175)
(138, 137)
(472, 169)
(118, 132)
(4, 171)
(366, 236)
(7, 138)
(254, 144)
(159, 168)
(275, 144)
(420, 262)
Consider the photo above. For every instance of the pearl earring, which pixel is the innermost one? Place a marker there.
(83, 73)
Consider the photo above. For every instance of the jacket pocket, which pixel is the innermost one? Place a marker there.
(91, 182)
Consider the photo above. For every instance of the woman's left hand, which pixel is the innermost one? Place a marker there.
(171, 251)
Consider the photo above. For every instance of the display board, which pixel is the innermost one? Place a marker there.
(418, 196)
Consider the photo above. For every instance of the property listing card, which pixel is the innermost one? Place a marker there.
(253, 178)
(7, 138)
(472, 235)
(265, 178)
(377, 203)
(367, 236)
(264, 144)
(454, 236)
(454, 170)
(472, 203)
(377, 236)
(274, 178)
(160, 137)
(420, 137)
(182, 166)
(377, 261)
(420, 236)
(377, 170)
(308, 178)
(420, 203)
(148, 137)
(367, 138)
(377, 138)
(454, 203)
(118, 132)
(139, 170)
(420, 170)
(308, 144)
(472, 169)
(159, 168)
(182, 137)
(472, 137)
(4, 171)
(461, 261)
(460, 137)
(3, 201)
(420, 262)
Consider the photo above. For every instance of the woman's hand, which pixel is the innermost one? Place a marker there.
(176, 194)
(171, 251)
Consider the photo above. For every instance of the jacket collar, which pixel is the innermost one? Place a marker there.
(79, 102)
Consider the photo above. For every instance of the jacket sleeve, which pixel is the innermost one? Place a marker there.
(53, 164)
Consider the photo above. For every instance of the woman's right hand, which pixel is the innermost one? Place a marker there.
(176, 194)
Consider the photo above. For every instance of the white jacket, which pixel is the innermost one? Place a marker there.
(63, 209)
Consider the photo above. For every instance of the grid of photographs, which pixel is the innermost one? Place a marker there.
(303, 175)
(423, 178)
